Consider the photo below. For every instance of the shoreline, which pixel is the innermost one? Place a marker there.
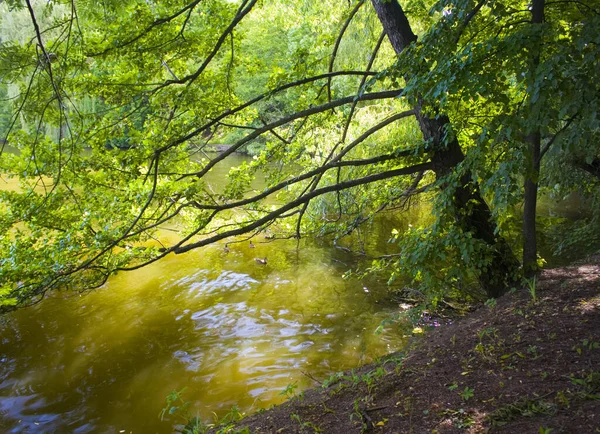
(528, 365)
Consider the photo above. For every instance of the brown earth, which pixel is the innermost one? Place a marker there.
(521, 366)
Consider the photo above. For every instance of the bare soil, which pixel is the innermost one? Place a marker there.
(521, 366)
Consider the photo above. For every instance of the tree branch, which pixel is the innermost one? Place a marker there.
(336, 162)
(247, 104)
(338, 41)
(147, 29)
(287, 119)
(301, 200)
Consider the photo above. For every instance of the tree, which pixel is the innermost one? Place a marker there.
(186, 75)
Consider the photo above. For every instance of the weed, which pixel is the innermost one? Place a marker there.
(353, 378)
(333, 379)
(590, 384)
(590, 345)
(359, 414)
(290, 390)
(176, 406)
(487, 350)
(305, 424)
(489, 331)
(467, 393)
(523, 407)
(545, 430)
(397, 359)
(532, 349)
(586, 344)
(531, 287)
(370, 377)
(561, 399)
(491, 303)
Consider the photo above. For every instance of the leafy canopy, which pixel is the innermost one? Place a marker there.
(110, 107)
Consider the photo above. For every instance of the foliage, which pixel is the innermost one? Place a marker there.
(111, 109)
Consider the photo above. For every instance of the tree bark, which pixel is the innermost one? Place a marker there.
(530, 266)
(471, 211)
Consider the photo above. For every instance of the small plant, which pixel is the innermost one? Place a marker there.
(353, 378)
(178, 408)
(397, 361)
(233, 416)
(370, 377)
(586, 344)
(532, 349)
(333, 379)
(590, 345)
(453, 386)
(531, 283)
(175, 405)
(467, 394)
(487, 350)
(290, 390)
(545, 430)
(523, 407)
(491, 303)
(590, 384)
(305, 424)
(358, 413)
(489, 331)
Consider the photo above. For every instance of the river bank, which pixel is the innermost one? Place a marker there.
(528, 364)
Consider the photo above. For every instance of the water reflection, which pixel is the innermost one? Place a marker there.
(233, 331)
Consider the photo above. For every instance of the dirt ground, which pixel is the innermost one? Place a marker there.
(521, 366)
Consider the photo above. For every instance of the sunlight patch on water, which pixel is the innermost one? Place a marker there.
(232, 331)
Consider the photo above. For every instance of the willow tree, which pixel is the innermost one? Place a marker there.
(115, 103)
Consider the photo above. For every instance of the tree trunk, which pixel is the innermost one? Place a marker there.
(530, 267)
(471, 211)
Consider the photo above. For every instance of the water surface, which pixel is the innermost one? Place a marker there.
(232, 331)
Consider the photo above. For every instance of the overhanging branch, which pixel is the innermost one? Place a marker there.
(301, 200)
(301, 114)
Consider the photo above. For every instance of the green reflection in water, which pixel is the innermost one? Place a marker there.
(231, 330)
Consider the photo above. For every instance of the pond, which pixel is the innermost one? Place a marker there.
(228, 329)
(233, 332)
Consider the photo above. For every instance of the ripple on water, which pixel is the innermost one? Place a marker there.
(26, 412)
(193, 361)
(201, 284)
